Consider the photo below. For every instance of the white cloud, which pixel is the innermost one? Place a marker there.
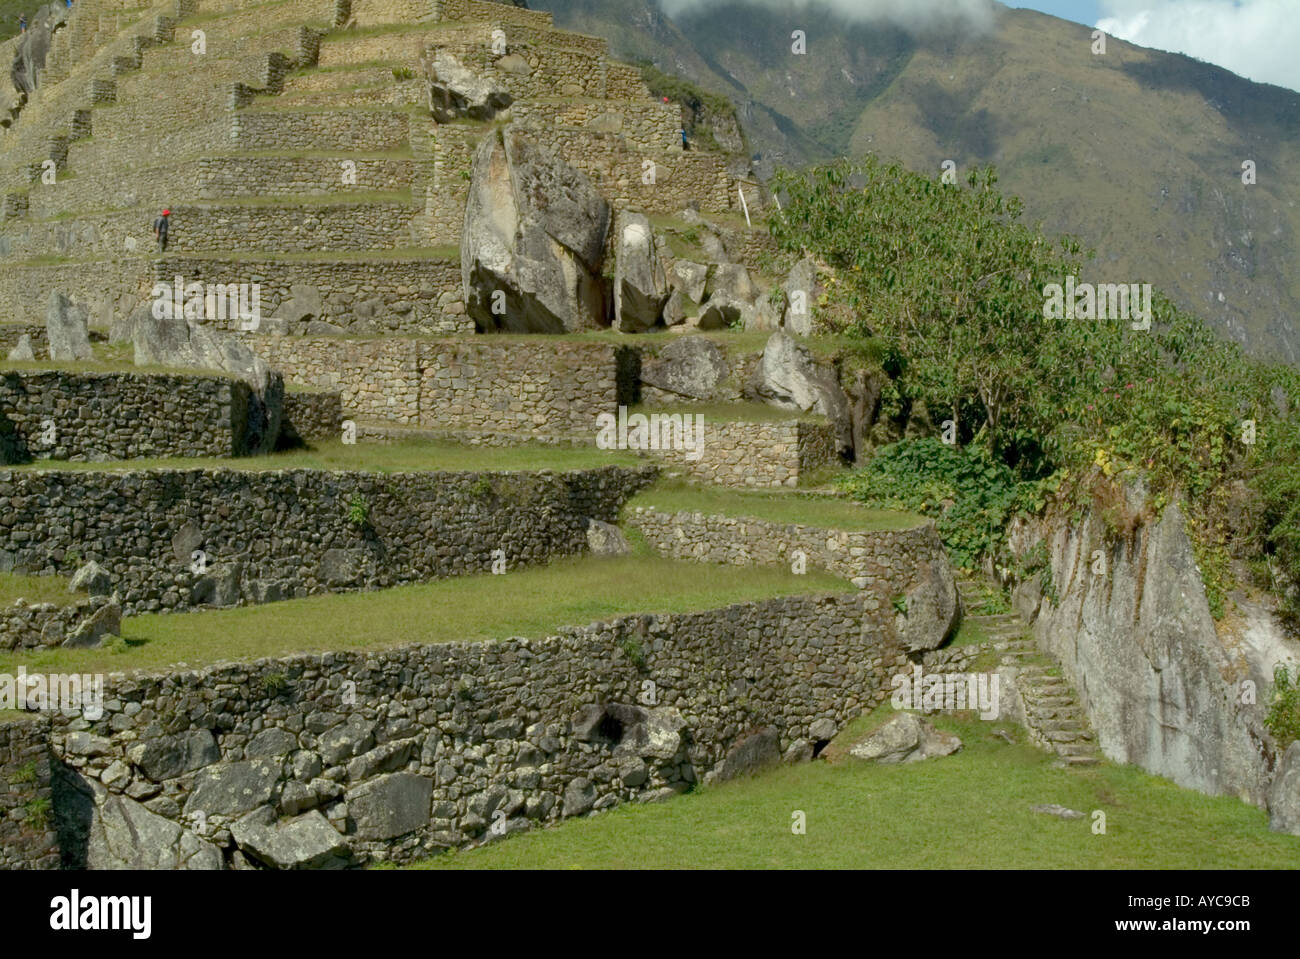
(1257, 39)
(910, 14)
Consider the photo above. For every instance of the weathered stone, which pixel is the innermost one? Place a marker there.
(125, 835)
(606, 539)
(905, 738)
(930, 608)
(342, 567)
(1054, 809)
(103, 622)
(271, 742)
(788, 377)
(751, 753)
(802, 289)
(232, 789)
(533, 241)
(690, 278)
(22, 351)
(640, 287)
(457, 92)
(352, 738)
(93, 579)
(693, 367)
(307, 842)
(219, 586)
(304, 303)
(170, 756)
(392, 805)
(66, 329)
(579, 796)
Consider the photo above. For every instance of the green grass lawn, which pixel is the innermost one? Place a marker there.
(399, 457)
(35, 589)
(673, 496)
(732, 412)
(970, 810)
(526, 602)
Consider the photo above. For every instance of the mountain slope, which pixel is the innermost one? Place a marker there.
(1138, 152)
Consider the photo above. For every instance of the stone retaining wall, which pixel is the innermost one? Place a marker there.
(177, 539)
(251, 176)
(27, 835)
(880, 560)
(25, 625)
(56, 414)
(362, 130)
(311, 416)
(398, 754)
(474, 383)
(756, 454)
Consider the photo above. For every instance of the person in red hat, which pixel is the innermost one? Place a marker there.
(160, 230)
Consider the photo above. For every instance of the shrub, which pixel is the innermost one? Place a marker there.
(359, 510)
(1283, 719)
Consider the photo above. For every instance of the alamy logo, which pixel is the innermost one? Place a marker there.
(658, 431)
(1105, 301)
(102, 913)
(208, 301)
(932, 692)
(72, 694)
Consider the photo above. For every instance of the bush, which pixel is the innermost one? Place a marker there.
(1283, 719)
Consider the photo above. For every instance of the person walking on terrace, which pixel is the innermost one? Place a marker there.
(22, 23)
(160, 230)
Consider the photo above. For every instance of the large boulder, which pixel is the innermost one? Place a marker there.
(455, 91)
(689, 277)
(693, 367)
(906, 738)
(731, 280)
(802, 288)
(176, 341)
(606, 539)
(307, 842)
(533, 241)
(931, 608)
(66, 328)
(232, 789)
(1284, 793)
(125, 835)
(22, 351)
(788, 377)
(640, 286)
(170, 756)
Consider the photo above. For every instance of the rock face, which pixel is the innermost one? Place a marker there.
(693, 367)
(932, 608)
(691, 278)
(455, 91)
(65, 325)
(91, 578)
(126, 835)
(176, 341)
(533, 241)
(789, 377)
(640, 286)
(1140, 647)
(905, 739)
(1284, 793)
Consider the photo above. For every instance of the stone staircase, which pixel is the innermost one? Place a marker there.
(1054, 717)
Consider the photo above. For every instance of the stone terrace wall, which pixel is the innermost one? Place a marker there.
(274, 535)
(56, 414)
(365, 296)
(289, 176)
(757, 454)
(445, 740)
(27, 836)
(106, 286)
(311, 416)
(881, 560)
(25, 625)
(363, 130)
(471, 383)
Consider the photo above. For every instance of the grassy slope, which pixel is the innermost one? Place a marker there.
(34, 589)
(1139, 152)
(526, 602)
(378, 458)
(970, 810)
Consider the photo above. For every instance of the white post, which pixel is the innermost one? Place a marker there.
(743, 205)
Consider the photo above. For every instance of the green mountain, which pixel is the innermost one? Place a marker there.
(1136, 151)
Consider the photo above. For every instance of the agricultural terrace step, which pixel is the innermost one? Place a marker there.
(254, 19)
(370, 13)
(147, 186)
(106, 285)
(403, 94)
(338, 129)
(243, 176)
(377, 431)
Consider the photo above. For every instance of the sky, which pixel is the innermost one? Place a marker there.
(1257, 39)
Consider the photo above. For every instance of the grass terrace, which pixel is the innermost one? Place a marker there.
(399, 457)
(34, 589)
(529, 602)
(915, 816)
(675, 496)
